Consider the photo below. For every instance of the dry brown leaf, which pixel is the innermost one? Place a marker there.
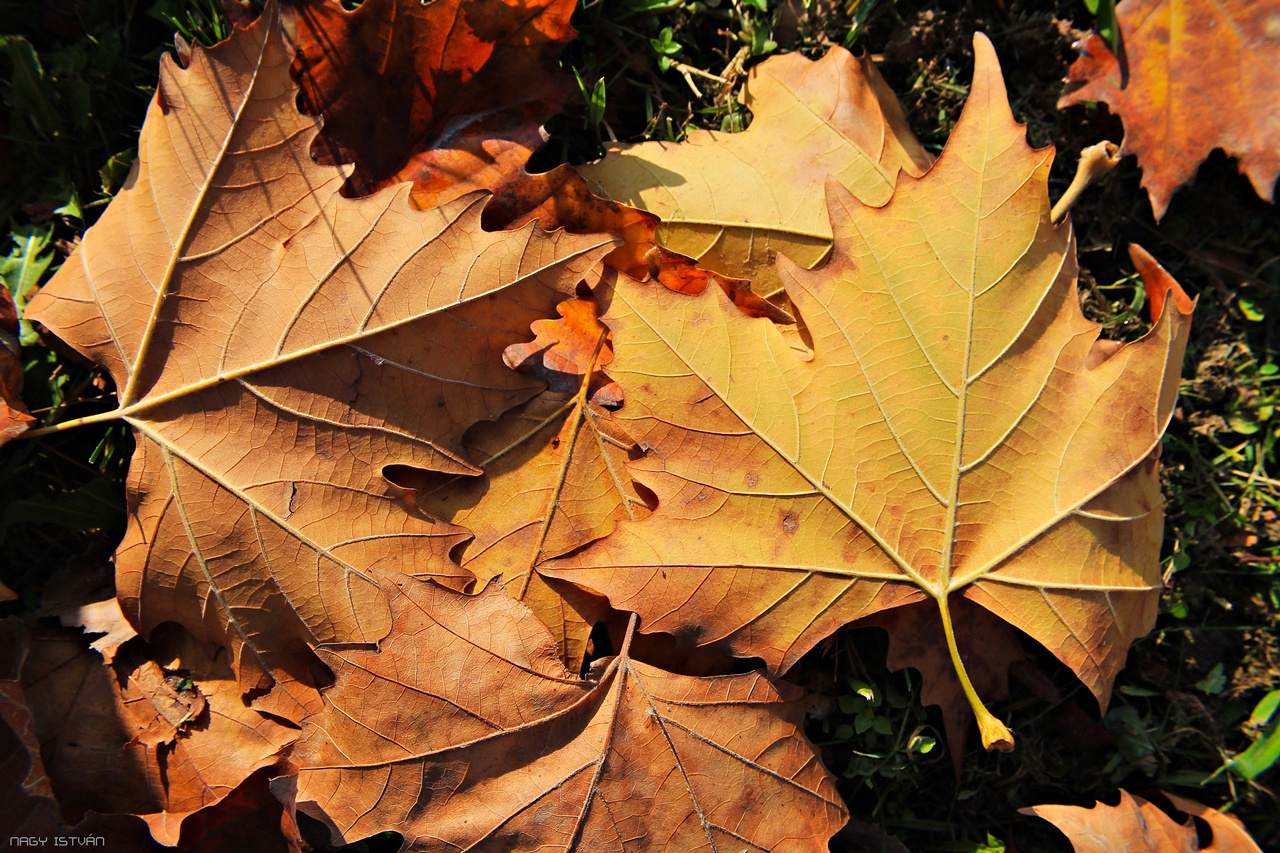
(14, 418)
(734, 202)
(955, 432)
(449, 95)
(1193, 75)
(160, 703)
(106, 618)
(82, 595)
(27, 806)
(487, 743)
(161, 734)
(1138, 826)
(276, 346)
(24, 785)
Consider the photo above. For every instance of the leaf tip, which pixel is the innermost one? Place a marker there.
(1159, 284)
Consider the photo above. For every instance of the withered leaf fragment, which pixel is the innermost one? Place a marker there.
(14, 418)
(958, 430)
(485, 743)
(276, 347)
(735, 201)
(162, 733)
(1139, 826)
(1194, 75)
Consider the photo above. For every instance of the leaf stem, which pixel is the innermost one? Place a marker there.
(995, 734)
(632, 625)
(101, 417)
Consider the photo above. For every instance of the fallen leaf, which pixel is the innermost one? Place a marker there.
(487, 743)
(457, 89)
(82, 595)
(1139, 826)
(133, 739)
(14, 419)
(734, 202)
(161, 704)
(958, 430)
(106, 618)
(24, 785)
(275, 346)
(554, 479)
(1192, 76)
(249, 818)
(30, 810)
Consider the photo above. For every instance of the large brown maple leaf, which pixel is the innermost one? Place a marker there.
(1193, 75)
(958, 429)
(276, 346)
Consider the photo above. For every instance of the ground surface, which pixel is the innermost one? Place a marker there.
(1189, 686)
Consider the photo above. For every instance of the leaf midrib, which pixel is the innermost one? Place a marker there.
(175, 255)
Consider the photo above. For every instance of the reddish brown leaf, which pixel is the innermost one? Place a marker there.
(449, 95)
(486, 743)
(24, 786)
(1193, 75)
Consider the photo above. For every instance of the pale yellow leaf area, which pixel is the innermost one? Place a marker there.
(275, 346)
(958, 429)
(735, 201)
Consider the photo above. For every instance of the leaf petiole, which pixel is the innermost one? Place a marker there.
(995, 734)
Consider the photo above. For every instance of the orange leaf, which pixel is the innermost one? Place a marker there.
(1138, 826)
(14, 418)
(563, 350)
(1193, 76)
(487, 743)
